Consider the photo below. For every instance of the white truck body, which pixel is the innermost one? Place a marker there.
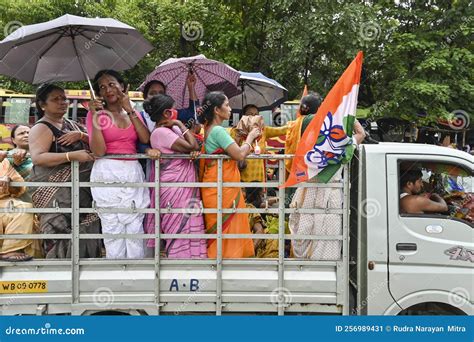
(389, 263)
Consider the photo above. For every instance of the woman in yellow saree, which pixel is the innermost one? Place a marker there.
(217, 140)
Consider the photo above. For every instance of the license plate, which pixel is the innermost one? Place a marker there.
(15, 287)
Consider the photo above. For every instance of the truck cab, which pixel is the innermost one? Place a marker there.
(412, 263)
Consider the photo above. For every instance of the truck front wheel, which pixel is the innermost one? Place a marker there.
(432, 309)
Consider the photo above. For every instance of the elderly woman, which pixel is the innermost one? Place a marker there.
(13, 223)
(54, 142)
(20, 160)
(18, 157)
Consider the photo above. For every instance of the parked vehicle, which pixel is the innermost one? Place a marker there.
(390, 263)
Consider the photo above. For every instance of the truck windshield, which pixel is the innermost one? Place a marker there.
(437, 188)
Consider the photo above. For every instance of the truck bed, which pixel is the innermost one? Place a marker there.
(156, 285)
(184, 287)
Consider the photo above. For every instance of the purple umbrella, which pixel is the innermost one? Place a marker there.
(210, 75)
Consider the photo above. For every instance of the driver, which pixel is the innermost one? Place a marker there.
(411, 200)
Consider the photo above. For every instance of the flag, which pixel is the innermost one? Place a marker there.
(326, 142)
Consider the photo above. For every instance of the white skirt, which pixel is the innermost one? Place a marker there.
(120, 171)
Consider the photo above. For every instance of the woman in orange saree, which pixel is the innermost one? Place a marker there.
(217, 140)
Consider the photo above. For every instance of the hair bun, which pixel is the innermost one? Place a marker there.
(147, 107)
(201, 118)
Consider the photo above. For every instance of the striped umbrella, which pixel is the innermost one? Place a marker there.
(210, 75)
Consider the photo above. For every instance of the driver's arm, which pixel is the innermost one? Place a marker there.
(427, 205)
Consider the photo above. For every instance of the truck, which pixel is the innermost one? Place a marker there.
(390, 263)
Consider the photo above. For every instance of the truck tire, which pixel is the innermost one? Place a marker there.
(432, 309)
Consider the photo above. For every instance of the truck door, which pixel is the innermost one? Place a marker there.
(430, 256)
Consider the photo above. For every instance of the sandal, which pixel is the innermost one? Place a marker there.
(16, 257)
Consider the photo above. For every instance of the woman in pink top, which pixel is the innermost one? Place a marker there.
(115, 128)
(172, 137)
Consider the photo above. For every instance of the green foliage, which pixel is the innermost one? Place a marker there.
(418, 54)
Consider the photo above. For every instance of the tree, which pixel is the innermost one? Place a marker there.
(418, 54)
(426, 63)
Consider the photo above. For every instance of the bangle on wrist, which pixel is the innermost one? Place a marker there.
(186, 131)
(82, 135)
(246, 143)
(67, 157)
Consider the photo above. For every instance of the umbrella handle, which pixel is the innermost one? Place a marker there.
(90, 87)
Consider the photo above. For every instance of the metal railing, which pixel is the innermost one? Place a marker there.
(282, 210)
